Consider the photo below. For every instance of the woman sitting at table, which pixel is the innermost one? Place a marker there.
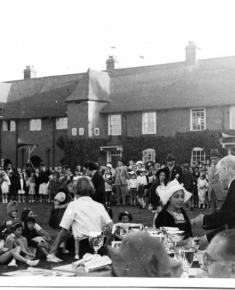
(173, 197)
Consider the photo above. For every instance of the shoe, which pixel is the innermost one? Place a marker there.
(13, 263)
(53, 259)
(32, 263)
(76, 257)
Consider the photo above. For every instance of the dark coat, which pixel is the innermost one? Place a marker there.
(223, 218)
(98, 182)
(154, 199)
(165, 219)
(176, 170)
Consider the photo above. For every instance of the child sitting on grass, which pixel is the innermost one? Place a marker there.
(16, 240)
(34, 239)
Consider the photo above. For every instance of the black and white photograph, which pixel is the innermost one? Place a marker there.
(117, 143)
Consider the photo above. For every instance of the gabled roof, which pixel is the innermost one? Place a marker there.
(95, 86)
(210, 83)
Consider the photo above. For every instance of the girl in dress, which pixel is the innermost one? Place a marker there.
(141, 187)
(108, 182)
(132, 187)
(31, 188)
(202, 186)
(21, 188)
(173, 197)
(5, 186)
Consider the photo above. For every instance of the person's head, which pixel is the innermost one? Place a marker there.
(12, 209)
(60, 197)
(125, 217)
(91, 167)
(17, 229)
(219, 257)
(226, 169)
(203, 174)
(108, 168)
(119, 163)
(215, 156)
(27, 212)
(30, 222)
(42, 167)
(141, 255)
(163, 174)
(131, 162)
(84, 187)
(174, 195)
(132, 175)
(170, 159)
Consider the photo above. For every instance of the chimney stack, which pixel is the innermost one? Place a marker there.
(29, 72)
(110, 63)
(191, 53)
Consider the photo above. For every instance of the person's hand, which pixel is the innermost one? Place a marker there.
(197, 221)
(203, 242)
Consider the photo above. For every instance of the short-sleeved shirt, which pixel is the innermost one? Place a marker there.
(85, 215)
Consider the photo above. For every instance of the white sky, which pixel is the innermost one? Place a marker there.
(68, 36)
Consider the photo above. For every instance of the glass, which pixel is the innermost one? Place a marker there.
(96, 240)
(186, 257)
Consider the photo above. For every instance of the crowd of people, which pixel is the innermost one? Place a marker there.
(81, 205)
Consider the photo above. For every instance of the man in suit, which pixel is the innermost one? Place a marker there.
(175, 170)
(97, 180)
(225, 217)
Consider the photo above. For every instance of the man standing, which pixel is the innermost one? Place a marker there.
(97, 180)
(121, 176)
(175, 171)
(216, 192)
(225, 216)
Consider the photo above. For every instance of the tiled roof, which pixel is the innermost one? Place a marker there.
(210, 83)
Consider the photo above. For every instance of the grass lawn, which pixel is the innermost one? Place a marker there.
(43, 211)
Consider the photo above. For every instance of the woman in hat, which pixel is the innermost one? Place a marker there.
(173, 197)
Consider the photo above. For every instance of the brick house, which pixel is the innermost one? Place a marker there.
(151, 107)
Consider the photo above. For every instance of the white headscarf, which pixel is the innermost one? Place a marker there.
(165, 193)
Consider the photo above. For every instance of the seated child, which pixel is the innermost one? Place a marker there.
(16, 240)
(34, 239)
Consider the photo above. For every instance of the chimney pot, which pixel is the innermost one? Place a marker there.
(29, 72)
(110, 63)
(191, 53)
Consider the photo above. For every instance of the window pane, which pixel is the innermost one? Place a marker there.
(62, 123)
(4, 126)
(35, 125)
(149, 123)
(114, 125)
(232, 117)
(12, 126)
(198, 119)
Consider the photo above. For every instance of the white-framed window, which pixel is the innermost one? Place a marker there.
(61, 123)
(35, 125)
(149, 123)
(198, 155)
(74, 131)
(232, 117)
(8, 126)
(12, 126)
(149, 155)
(198, 119)
(81, 131)
(114, 125)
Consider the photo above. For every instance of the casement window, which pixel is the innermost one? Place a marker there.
(35, 125)
(232, 117)
(8, 126)
(198, 156)
(61, 123)
(149, 123)
(149, 155)
(198, 119)
(114, 125)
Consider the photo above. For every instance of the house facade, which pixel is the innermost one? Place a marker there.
(131, 113)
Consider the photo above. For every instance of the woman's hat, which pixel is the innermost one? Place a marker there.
(165, 170)
(11, 207)
(166, 193)
(141, 255)
(60, 196)
(139, 162)
(109, 165)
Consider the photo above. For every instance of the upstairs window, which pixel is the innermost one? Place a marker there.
(149, 123)
(61, 123)
(232, 117)
(35, 125)
(198, 119)
(114, 125)
(8, 126)
(198, 156)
